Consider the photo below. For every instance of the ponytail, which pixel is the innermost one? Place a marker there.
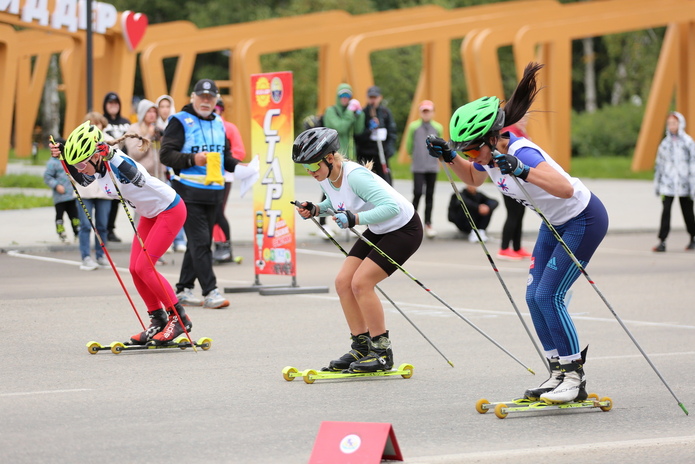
(523, 96)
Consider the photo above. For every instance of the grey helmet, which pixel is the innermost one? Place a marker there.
(313, 145)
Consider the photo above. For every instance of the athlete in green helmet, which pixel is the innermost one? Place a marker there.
(521, 170)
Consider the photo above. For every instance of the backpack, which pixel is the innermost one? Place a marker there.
(311, 121)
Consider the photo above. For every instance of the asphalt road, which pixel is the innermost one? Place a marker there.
(230, 404)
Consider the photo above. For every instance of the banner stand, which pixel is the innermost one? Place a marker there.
(268, 290)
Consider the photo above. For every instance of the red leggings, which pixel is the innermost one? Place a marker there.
(158, 234)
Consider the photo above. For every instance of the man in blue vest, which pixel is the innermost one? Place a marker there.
(195, 146)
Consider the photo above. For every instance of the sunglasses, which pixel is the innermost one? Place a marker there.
(469, 150)
(313, 167)
(83, 164)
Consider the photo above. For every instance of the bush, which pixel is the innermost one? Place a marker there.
(610, 131)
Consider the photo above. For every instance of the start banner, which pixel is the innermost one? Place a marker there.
(272, 135)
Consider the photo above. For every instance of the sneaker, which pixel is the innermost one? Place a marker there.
(483, 235)
(509, 254)
(180, 248)
(429, 231)
(63, 237)
(660, 248)
(88, 264)
(523, 253)
(691, 245)
(187, 298)
(214, 300)
(103, 262)
(472, 237)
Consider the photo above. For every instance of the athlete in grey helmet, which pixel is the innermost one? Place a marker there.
(357, 196)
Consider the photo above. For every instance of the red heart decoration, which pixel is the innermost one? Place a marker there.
(134, 26)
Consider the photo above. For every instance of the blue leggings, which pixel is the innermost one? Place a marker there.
(553, 272)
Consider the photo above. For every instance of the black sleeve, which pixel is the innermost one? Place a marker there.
(173, 140)
(229, 161)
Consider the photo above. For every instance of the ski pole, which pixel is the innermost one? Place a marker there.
(492, 263)
(318, 224)
(144, 250)
(593, 285)
(414, 279)
(96, 234)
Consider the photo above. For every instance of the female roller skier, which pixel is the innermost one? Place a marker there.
(577, 214)
(162, 214)
(358, 196)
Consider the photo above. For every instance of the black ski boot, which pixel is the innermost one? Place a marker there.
(556, 376)
(360, 348)
(173, 328)
(158, 319)
(573, 385)
(379, 358)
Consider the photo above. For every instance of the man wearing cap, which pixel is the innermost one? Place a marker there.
(195, 146)
(424, 170)
(378, 133)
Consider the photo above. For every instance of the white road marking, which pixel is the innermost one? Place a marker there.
(45, 392)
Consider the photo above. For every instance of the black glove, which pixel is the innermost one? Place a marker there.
(437, 146)
(309, 206)
(345, 219)
(510, 164)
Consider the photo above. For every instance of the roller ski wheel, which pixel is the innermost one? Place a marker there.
(503, 409)
(181, 342)
(311, 375)
(483, 405)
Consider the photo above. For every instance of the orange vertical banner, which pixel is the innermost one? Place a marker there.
(272, 135)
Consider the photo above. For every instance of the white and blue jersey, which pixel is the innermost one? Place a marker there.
(556, 210)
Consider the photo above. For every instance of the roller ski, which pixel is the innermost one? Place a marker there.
(366, 358)
(521, 405)
(181, 342)
(311, 375)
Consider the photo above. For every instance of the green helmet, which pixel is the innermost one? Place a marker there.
(82, 143)
(476, 119)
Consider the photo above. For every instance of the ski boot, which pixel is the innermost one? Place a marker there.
(573, 385)
(379, 358)
(158, 319)
(359, 349)
(173, 328)
(556, 376)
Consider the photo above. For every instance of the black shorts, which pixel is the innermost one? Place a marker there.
(398, 245)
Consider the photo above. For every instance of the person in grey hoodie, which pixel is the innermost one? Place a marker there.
(674, 176)
(63, 197)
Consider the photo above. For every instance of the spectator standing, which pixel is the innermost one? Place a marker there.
(378, 135)
(513, 225)
(146, 128)
(63, 197)
(195, 146)
(480, 207)
(116, 126)
(674, 176)
(423, 166)
(165, 108)
(223, 246)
